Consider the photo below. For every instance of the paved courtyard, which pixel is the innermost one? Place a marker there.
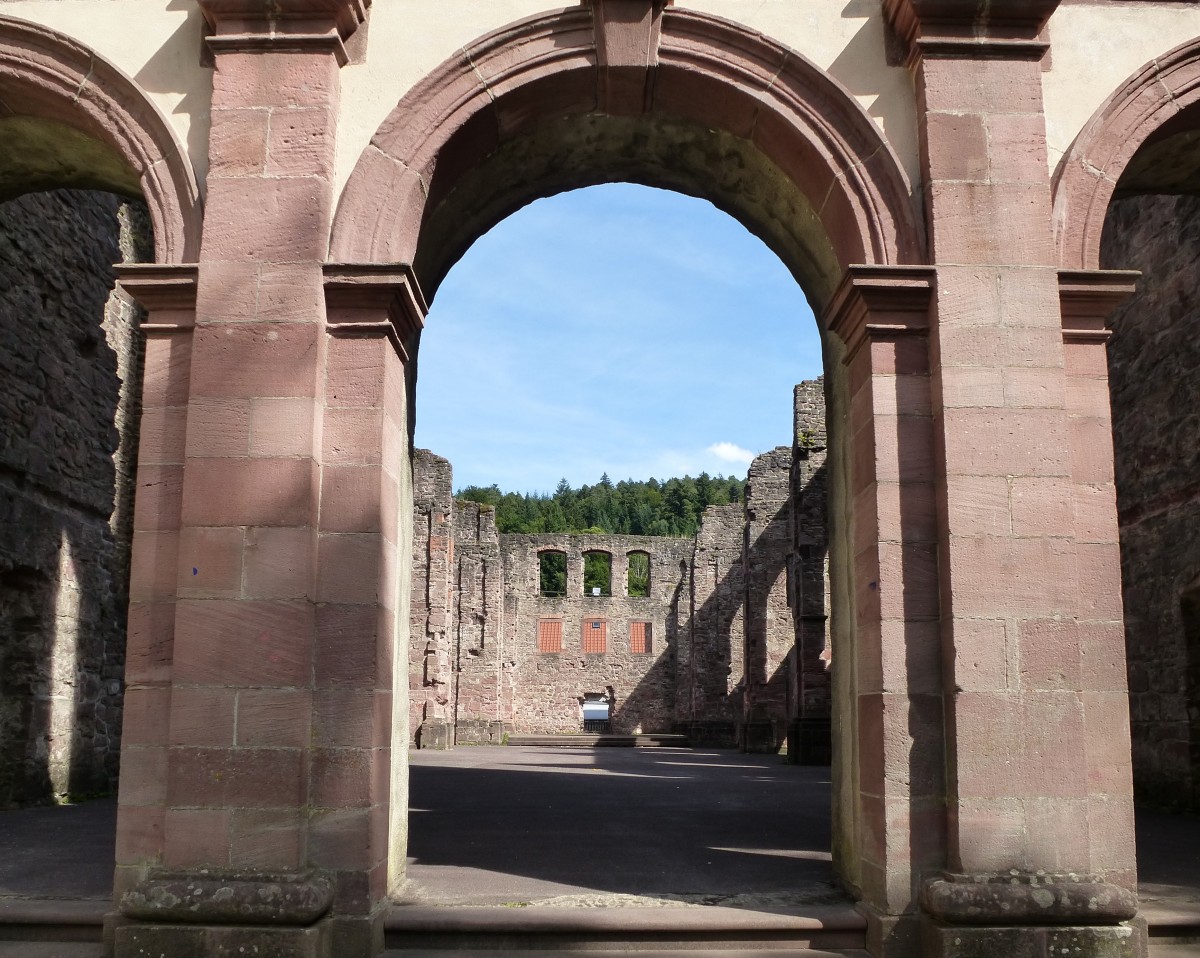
(605, 826)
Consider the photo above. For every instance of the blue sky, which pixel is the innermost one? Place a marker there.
(616, 329)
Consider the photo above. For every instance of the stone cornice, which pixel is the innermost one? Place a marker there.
(283, 25)
(982, 29)
(372, 300)
(166, 292)
(1087, 298)
(880, 301)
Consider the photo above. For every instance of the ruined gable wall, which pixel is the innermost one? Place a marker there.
(716, 630)
(1154, 378)
(483, 671)
(810, 738)
(770, 629)
(549, 686)
(429, 664)
(70, 369)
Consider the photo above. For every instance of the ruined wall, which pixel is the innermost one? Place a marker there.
(550, 686)
(737, 617)
(769, 666)
(70, 361)
(1154, 373)
(482, 662)
(429, 671)
(809, 740)
(712, 707)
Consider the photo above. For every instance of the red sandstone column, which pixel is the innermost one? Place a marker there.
(358, 820)
(891, 831)
(168, 294)
(1032, 842)
(246, 780)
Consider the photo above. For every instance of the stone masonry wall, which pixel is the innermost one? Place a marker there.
(810, 739)
(482, 660)
(739, 652)
(1154, 376)
(712, 708)
(550, 686)
(769, 665)
(429, 673)
(70, 369)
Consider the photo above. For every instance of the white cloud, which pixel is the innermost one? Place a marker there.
(728, 452)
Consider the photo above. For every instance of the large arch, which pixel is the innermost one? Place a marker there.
(1141, 140)
(68, 117)
(703, 106)
(713, 110)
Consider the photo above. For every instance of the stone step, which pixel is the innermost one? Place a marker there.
(591, 740)
(656, 953)
(420, 929)
(56, 920)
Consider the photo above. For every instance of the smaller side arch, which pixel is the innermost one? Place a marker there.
(54, 88)
(1159, 97)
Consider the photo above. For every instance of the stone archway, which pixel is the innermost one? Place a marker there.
(73, 372)
(1152, 117)
(685, 101)
(71, 118)
(562, 101)
(1127, 198)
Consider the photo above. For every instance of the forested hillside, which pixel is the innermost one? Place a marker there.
(650, 508)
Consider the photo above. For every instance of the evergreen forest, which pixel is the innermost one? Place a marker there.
(649, 508)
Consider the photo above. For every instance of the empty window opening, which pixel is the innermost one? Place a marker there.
(596, 712)
(549, 635)
(595, 636)
(597, 573)
(552, 573)
(639, 575)
(639, 638)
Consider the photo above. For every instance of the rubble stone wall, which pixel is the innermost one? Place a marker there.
(70, 369)
(810, 739)
(1154, 379)
(738, 653)
(712, 708)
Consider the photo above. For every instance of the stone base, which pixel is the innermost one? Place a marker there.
(141, 940)
(435, 735)
(480, 732)
(1127, 940)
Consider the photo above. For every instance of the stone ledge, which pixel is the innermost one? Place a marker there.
(1027, 899)
(222, 899)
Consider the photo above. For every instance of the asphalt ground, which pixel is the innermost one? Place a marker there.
(581, 826)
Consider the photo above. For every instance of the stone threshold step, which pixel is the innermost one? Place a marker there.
(655, 953)
(641, 929)
(51, 920)
(581, 740)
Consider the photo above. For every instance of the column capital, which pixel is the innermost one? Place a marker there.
(375, 300)
(978, 28)
(873, 301)
(167, 292)
(1087, 298)
(321, 25)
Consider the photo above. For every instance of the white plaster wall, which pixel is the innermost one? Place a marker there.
(156, 42)
(846, 39)
(1095, 48)
(407, 39)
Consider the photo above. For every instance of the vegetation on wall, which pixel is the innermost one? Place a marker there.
(649, 508)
